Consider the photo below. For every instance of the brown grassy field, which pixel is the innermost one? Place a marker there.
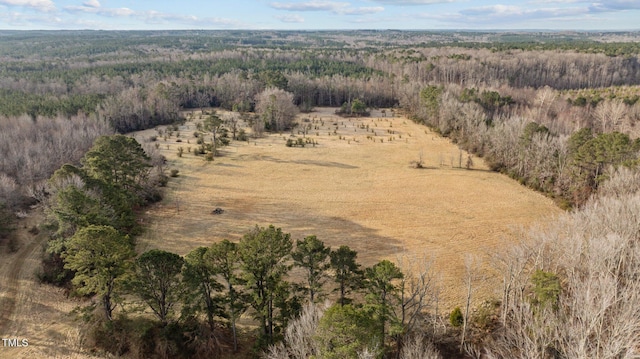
(356, 187)
(348, 189)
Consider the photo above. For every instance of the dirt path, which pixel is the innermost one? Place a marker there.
(13, 270)
(36, 312)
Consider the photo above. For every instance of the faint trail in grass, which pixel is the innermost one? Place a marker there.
(10, 281)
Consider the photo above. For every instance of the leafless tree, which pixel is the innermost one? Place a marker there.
(276, 108)
(418, 290)
(610, 114)
(472, 270)
(544, 100)
(299, 340)
(595, 255)
(417, 347)
(232, 121)
(33, 150)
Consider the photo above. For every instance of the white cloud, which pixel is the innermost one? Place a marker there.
(32, 20)
(290, 18)
(564, 10)
(363, 10)
(157, 17)
(310, 6)
(40, 5)
(103, 11)
(555, 1)
(493, 10)
(338, 8)
(413, 2)
(615, 5)
(517, 13)
(154, 17)
(92, 3)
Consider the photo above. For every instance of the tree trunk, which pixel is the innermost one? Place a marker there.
(270, 320)
(108, 311)
(466, 315)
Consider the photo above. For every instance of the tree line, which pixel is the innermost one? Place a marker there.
(533, 141)
(216, 285)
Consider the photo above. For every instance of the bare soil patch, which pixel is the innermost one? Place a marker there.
(355, 187)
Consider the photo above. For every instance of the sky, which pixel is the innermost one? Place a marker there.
(320, 14)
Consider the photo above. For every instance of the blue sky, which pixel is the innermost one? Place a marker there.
(320, 14)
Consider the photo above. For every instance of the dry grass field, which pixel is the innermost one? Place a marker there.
(356, 187)
(348, 189)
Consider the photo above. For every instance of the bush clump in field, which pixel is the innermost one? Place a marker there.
(456, 318)
(419, 163)
(295, 143)
(242, 135)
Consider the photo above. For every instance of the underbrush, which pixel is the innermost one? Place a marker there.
(139, 337)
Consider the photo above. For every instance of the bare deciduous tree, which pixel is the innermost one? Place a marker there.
(299, 335)
(417, 347)
(610, 114)
(595, 255)
(276, 109)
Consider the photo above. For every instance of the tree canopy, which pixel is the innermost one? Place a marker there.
(313, 257)
(99, 256)
(156, 281)
(263, 254)
(120, 161)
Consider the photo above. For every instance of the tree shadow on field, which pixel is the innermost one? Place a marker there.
(194, 226)
(424, 168)
(336, 231)
(227, 165)
(312, 163)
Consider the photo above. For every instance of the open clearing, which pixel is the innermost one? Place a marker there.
(348, 190)
(362, 193)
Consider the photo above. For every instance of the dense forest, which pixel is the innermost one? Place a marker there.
(558, 112)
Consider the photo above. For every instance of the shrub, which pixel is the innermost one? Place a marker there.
(137, 337)
(242, 135)
(163, 180)
(6, 222)
(199, 150)
(456, 318)
(486, 316)
(53, 272)
(546, 289)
